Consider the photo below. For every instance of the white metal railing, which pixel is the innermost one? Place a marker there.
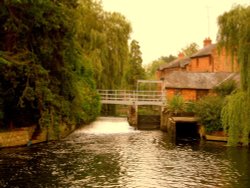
(129, 97)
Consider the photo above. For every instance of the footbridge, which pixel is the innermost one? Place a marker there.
(134, 99)
(129, 97)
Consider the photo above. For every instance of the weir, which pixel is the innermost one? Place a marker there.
(137, 99)
(134, 100)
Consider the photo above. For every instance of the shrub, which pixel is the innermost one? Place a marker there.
(226, 88)
(189, 107)
(176, 105)
(208, 109)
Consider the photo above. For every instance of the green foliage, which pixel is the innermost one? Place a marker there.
(208, 109)
(190, 107)
(234, 35)
(151, 68)
(104, 38)
(236, 122)
(167, 59)
(176, 105)
(135, 70)
(53, 56)
(190, 49)
(226, 88)
(50, 55)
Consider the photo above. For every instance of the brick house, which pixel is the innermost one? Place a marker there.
(179, 64)
(194, 85)
(195, 76)
(209, 59)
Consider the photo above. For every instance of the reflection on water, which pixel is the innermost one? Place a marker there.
(110, 153)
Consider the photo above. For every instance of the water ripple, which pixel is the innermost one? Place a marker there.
(114, 155)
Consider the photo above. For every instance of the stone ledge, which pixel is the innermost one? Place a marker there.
(16, 137)
(216, 138)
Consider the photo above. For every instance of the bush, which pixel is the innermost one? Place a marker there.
(208, 110)
(176, 105)
(226, 88)
(189, 107)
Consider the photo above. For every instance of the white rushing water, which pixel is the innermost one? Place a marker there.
(108, 125)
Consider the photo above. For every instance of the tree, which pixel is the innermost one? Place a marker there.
(47, 77)
(234, 36)
(167, 59)
(152, 67)
(190, 49)
(135, 70)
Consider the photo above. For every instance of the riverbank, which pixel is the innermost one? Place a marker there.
(26, 136)
(16, 137)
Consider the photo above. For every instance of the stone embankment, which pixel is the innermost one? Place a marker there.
(16, 137)
(28, 135)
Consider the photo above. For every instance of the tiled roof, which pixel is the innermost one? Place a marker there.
(204, 51)
(194, 80)
(176, 63)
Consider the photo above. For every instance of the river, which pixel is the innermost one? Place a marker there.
(110, 154)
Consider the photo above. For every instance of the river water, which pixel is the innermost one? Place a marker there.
(109, 153)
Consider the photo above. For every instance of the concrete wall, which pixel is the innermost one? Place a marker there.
(168, 124)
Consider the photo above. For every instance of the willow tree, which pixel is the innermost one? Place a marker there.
(115, 53)
(234, 35)
(104, 39)
(46, 77)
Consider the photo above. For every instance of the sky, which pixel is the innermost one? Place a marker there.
(164, 27)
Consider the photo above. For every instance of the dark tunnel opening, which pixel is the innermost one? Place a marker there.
(187, 130)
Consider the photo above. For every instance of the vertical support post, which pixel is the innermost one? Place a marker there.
(133, 115)
(136, 114)
(116, 97)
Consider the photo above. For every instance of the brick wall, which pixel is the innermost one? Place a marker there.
(223, 62)
(201, 64)
(217, 62)
(170, 93)
(187, 94)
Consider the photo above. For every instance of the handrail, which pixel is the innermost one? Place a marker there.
(131, 96)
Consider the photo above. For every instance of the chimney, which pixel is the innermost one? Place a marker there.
(207, 42)
(181, 55)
